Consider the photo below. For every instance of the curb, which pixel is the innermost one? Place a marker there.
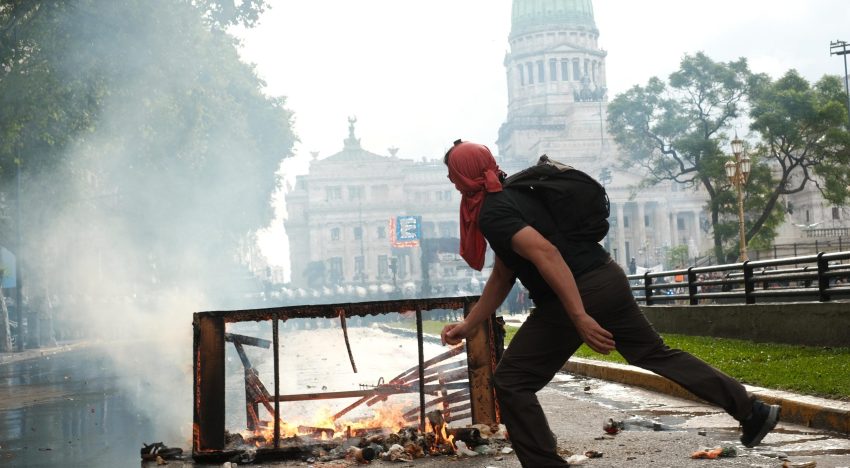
(814, 412)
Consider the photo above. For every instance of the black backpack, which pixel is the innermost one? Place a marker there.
(577, 202)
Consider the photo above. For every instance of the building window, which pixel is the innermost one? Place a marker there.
(383, 266)
(333, 193)
(359, 268)
(680, 223)
(646, 220)
(335, 269)
(625, 221)
(587, 67)
(401, 266)
(541, 71)
(530, 69)
(356, 192)
(808, 217)
(380, 192)
(553, 70)
(576, 70)
(335, 234)
(521, 74)
(429, 230)
(565, 70)
(836, 213)
(448, 229)
(381, 232)
(358, 233)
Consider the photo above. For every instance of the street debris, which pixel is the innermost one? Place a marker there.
(158, 450)
(716, 452)
(576, 460)
(811, 464)
(612, 427)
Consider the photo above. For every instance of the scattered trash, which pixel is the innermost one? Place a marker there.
(576, 460)
(463, 450)
(772, 454)
(612, 427)
(397, 453)
(717, 452)
(483, 449)
(160, 461)
(811, 464)
(507, 450)
(593, 454)
(361, 455)
(158, 449)
(702, 432)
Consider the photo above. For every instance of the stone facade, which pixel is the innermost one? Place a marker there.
(340, 231)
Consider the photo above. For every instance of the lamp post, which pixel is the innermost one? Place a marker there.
(738, 171)
(840, 48)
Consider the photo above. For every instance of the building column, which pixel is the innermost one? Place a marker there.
(674, 228)
(641, 232)
(621, 237)
(664, 229)
(697, 230)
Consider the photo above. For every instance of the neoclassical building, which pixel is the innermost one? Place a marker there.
(339, 213)
(557, 102)
(345, 225)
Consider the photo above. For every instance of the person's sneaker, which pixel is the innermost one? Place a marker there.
(762, 420)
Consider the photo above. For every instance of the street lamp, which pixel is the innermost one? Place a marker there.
(840, 48)
(738, 171)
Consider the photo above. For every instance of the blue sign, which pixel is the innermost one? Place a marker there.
(7, 264)
(408, 229)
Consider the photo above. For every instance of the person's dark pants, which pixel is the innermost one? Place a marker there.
(547, 339)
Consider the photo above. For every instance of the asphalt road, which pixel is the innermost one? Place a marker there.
(79, 409)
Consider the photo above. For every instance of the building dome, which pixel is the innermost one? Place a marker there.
(530, 16)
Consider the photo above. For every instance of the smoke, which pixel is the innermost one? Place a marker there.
(138, 223)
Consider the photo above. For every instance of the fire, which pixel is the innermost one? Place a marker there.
(448, 437)
(322, 426)
(443, 440)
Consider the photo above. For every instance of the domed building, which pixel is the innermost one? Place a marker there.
(557, 101)
(341, 212)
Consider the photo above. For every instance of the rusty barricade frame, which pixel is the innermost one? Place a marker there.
(208, 441)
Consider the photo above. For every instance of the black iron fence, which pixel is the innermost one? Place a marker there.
(821, 277)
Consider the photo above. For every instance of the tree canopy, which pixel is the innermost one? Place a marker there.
(147, 149)
(680, 130)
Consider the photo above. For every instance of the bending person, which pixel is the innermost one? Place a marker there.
(580, 296)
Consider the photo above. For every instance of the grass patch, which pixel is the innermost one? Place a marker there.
(819, 371)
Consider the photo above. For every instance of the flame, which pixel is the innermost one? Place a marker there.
(387, 417)
(448, 437)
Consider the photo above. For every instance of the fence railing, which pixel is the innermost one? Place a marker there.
(822, 277)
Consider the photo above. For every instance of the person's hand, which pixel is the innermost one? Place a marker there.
(453, 333)
(596, 337)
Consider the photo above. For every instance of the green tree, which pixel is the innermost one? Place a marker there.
(803, 140)
(675, 131)
(148, 151)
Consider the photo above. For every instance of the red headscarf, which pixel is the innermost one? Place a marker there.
(475, 173)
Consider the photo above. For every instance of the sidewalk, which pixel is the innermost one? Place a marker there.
(8, 358)
(819, 413)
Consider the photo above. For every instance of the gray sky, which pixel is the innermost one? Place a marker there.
(418, 75)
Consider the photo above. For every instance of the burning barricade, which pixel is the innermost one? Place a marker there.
(453, 388)
(367, 444)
